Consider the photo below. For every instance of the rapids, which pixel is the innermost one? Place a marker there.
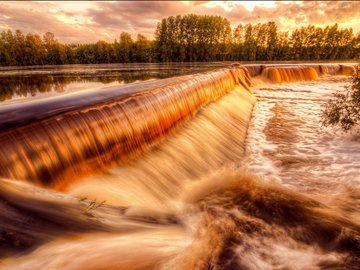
(214, 180)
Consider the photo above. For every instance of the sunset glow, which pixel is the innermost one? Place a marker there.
(89, 21)
(179, 135)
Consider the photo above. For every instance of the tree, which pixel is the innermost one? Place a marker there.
(271, 40)
(124, 49)
(344, 108)
(249, 43)
(142, 49)
(104, 52)
(55, 51)
(8, 47)
(238, 43)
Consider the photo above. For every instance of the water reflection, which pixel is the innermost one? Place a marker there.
(27, 84)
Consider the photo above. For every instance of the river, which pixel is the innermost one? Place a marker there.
(246, 179)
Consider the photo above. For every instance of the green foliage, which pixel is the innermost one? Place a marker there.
(344, 108)
(187, 38)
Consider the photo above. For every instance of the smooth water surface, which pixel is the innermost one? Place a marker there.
(21, 84)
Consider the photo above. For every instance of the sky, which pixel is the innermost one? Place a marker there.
(85, 21)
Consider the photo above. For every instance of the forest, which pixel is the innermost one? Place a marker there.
(187, 38)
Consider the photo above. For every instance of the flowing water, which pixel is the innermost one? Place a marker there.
(185, 173)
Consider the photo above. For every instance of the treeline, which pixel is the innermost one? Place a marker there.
(210, 38)
(187, 38)
(16, 49)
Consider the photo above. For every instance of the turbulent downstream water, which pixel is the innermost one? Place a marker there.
(185, 173)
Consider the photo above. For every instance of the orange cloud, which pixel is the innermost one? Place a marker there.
(91, 21)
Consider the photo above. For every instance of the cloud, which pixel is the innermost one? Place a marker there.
(134, 16)
(91, 21)
(303, 13)
(40, 18)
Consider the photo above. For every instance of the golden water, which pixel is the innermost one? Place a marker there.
(289, 74)
(62, 148)
(187, 183)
